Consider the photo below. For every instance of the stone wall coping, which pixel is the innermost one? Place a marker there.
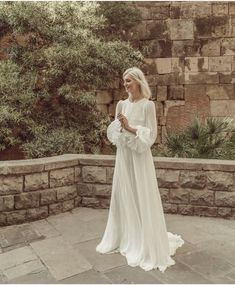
(70, 160)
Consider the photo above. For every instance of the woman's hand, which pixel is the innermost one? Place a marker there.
(123, 120)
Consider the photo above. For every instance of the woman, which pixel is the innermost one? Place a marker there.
(136, 225)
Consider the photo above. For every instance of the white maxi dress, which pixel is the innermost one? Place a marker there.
(136, 226)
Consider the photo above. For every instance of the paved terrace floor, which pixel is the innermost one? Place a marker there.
(61, 249)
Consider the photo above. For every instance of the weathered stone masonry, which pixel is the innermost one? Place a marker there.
(34, 189)
(191, 66)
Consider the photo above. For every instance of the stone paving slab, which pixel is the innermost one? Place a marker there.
(131, 275)
(16, 257)
(180, 274)
(88, 277)
(17, 236)
(84, 230)
(205, 264)
(101, 262)
(44, 228)
(42, 277)
(88, 214)
(60, 257)
(24, 269)
(61, 249)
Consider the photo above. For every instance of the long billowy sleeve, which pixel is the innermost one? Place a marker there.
(114, 129)
(145, 135)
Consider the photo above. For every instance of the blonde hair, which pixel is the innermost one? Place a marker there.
(138, 75)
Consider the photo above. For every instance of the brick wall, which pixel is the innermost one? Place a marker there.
(191, 66)
(34, 189)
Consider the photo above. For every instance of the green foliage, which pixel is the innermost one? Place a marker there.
(48, 82)
(54, 142)
(215, 138)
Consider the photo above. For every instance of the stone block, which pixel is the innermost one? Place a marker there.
(103, 97)
(195, 9)
(161, 93)
(37, 213)
(170, 208)
(196, 64)
(181, 29)
(163, 65)
(231, 8)
(3, 219)
(224, 212)
(137, 32)
(60, 161)
(186, 48)
(90, 202)
(160, 12)
(16, 217)
(6, 203)
(200, 78)
(66, 192)
(159, 108)
(68, 205)
(228, 46)
(179, 196)
(55, 208)
(167, 178)
(77, 173)
(180, 113)
(192, 179)
(220, 92)
(94, 174)
(85, 189)
(36, 181)
(11, 184)
(219, 9)
(156, 30)
(164, 195)
(205, 211)
(220, 64)
(177, 64)
(175, 11)
(77, 201)
(149, 66)
(102, 190)
(119, 95)
(225, 108)
(176, 92)
(162, 121)
(233, 66)
(202, 198)
(220, 181)
(225, 199)
(227, 77)
(104, 203)
(167, 79)
(102, 108)
(232, 26)
(156, 48)
(185, 210)
(27, 200)
(61, 177)
(109, 174)
(48, 197)
(216, 26)
(145, 13)
(210, 47)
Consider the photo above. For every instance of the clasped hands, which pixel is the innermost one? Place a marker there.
(123, 120)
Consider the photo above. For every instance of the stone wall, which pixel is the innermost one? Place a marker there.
(34, 189)
(191, 64)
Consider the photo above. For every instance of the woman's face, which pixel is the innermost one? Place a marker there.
(130, 84)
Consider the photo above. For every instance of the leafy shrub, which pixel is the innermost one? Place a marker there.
(60, 54)
(215, 138)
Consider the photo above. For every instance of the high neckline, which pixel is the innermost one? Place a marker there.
(137, 101)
